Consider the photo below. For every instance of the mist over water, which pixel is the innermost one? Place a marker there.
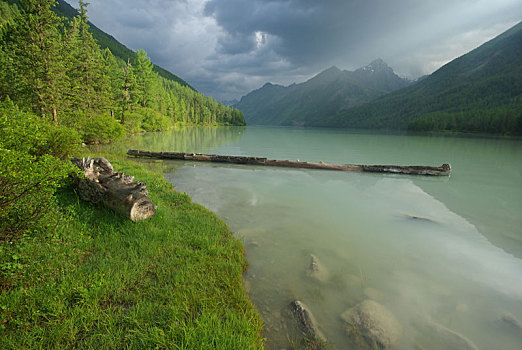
(437, 252)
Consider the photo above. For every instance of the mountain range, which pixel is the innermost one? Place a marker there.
(480, 91)
(328, 93)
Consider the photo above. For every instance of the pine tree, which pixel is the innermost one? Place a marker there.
(146, 80)
(128, 90)
(89, 85)
(34, 45)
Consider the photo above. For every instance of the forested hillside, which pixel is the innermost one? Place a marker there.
(107, 41)
(478, 92)
(58, 88)
(326, 94)
(54, 67)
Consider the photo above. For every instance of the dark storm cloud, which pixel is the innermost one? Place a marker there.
(228, 47)
(354, 30)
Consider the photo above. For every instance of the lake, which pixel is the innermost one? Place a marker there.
(443, 255)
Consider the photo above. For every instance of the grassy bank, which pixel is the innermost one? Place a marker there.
(102, 282)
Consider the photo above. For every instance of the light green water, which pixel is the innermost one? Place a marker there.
(460, 268)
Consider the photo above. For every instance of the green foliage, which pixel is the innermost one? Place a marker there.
(56, 69)
(27, 185)
(104, 282)
(106, 41)
(133, 122)
(146, 80)
(24, 132)
(100, 129)
(500, 120)
(88, 84)
(34, 47)
(8, 13)
(153, 120)
(30, 170)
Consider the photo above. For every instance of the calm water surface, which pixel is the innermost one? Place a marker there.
(457, 264)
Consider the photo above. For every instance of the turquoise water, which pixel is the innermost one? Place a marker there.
(443, 251)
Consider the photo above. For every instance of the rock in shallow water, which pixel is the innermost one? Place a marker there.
(371, 324)
(317, 270)
(511, 320)
(303, 327)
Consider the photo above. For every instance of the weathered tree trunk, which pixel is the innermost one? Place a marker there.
(55, 118)
(114, 190)
(443, 170)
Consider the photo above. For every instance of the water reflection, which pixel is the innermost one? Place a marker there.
(442, 254)
(383, 239)
(203, 139)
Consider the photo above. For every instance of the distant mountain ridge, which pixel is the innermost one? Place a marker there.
(480, 91)
(328, 93)
(229, 102)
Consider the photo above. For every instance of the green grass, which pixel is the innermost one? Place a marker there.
(100, 281)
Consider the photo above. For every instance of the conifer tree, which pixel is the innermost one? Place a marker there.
(128, 90)
(35, 48)
(145, 80)
(87, 71)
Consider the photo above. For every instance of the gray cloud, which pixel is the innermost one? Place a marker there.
(226, 48)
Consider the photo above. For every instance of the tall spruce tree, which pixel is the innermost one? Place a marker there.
(146, 79)
(128, 88)
(89, 86)
(35, 48)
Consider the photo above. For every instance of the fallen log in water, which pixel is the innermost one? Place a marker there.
(443, 170)
(114, 190)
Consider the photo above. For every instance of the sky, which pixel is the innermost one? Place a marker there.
(227, 48)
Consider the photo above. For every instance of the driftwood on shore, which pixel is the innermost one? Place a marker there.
(443, 170)
(114, 190)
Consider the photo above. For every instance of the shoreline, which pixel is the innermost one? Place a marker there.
(175, 280)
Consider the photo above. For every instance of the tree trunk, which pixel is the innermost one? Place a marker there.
(443, 170)
(114, 190)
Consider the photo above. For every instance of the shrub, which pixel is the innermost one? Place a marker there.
(101, 129)
(133, 122)
(27, 185)
(30, 169)
(154, 120)
(61, 142)
(27, 133)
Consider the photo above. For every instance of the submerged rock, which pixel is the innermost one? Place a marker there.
(372, 325)
(418, 218)
(303, 328)
(316, 270)
(253, 244)
(511, 320)
(451, 339)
